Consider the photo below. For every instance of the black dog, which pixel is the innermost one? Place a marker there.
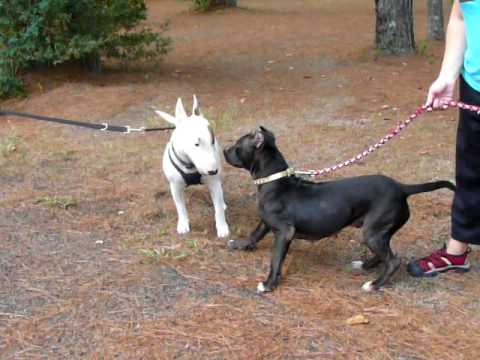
(291, 207)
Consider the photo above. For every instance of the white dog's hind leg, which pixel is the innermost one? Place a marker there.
(178, 194)
(216, 192)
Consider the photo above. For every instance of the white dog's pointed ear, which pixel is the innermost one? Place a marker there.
(180, 112)
(167, 117)
(195, 107)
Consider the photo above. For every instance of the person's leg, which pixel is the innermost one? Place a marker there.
(466, 204)
(455, 247)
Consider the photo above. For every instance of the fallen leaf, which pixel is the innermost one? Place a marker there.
(357, 320)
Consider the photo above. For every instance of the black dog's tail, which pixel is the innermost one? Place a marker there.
(426, 187)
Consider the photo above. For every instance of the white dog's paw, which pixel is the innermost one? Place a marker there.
(368, 286)
(183, 227)
(223, 231)
(261, 288)
(357, 264)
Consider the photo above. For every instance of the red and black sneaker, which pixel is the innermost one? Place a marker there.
(439, 262)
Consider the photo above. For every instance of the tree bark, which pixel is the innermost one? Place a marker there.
(435, 20)
(227, 3)
(394, 26)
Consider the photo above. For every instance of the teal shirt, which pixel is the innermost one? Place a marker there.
(471, 62)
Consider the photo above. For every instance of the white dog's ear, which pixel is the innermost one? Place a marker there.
(195, 107)
(180, 112)
(167, 117)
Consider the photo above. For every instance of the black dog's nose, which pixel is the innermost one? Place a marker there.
(213, 172)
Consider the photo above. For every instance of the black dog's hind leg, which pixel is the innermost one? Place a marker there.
(371, 263)
(283, 239)
(258, 234)
(379, 244)
(368, 264)
(378, 231)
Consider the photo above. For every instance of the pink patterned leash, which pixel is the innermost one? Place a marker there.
(402, 125)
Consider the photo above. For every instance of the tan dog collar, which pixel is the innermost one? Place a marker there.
(276, 176)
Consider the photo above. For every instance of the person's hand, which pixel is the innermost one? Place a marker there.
(440, 93)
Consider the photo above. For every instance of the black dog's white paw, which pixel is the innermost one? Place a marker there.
(261, 288)
(357, 265)
(368, 286)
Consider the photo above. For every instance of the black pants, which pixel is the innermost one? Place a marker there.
(466, 203)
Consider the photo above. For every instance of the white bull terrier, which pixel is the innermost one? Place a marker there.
(191, 157)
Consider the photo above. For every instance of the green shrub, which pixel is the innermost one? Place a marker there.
(201, 5)
(50, 32)
(10, 85)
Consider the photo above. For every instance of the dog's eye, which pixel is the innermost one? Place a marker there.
(197, 144)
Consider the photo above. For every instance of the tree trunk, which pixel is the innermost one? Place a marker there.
(227, 3)
(435, 20)
(394, 26)
(93, 62)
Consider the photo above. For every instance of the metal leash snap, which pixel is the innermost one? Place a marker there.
(311, 173)
(130, 129)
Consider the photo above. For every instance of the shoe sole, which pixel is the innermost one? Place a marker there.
(457, 269)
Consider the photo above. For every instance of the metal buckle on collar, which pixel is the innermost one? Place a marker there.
(290, 172)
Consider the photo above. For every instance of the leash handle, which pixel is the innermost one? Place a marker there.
(394, 132)
(102, 127)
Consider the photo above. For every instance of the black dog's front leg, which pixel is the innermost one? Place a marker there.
(283, 239)
(258, 234)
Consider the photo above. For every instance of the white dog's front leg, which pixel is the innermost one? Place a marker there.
(178, 194)
(216, 192)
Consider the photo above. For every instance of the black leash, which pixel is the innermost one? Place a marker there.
(101, 127)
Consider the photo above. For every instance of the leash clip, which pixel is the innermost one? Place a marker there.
(311, 173)
(130, 129)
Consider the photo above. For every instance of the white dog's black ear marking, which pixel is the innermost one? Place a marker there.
(195, 107)
(180, 112)
(210, 130)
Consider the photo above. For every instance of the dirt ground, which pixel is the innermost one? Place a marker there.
(91, 265)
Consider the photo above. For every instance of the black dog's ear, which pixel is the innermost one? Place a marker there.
(258, 139)
(265, 136)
